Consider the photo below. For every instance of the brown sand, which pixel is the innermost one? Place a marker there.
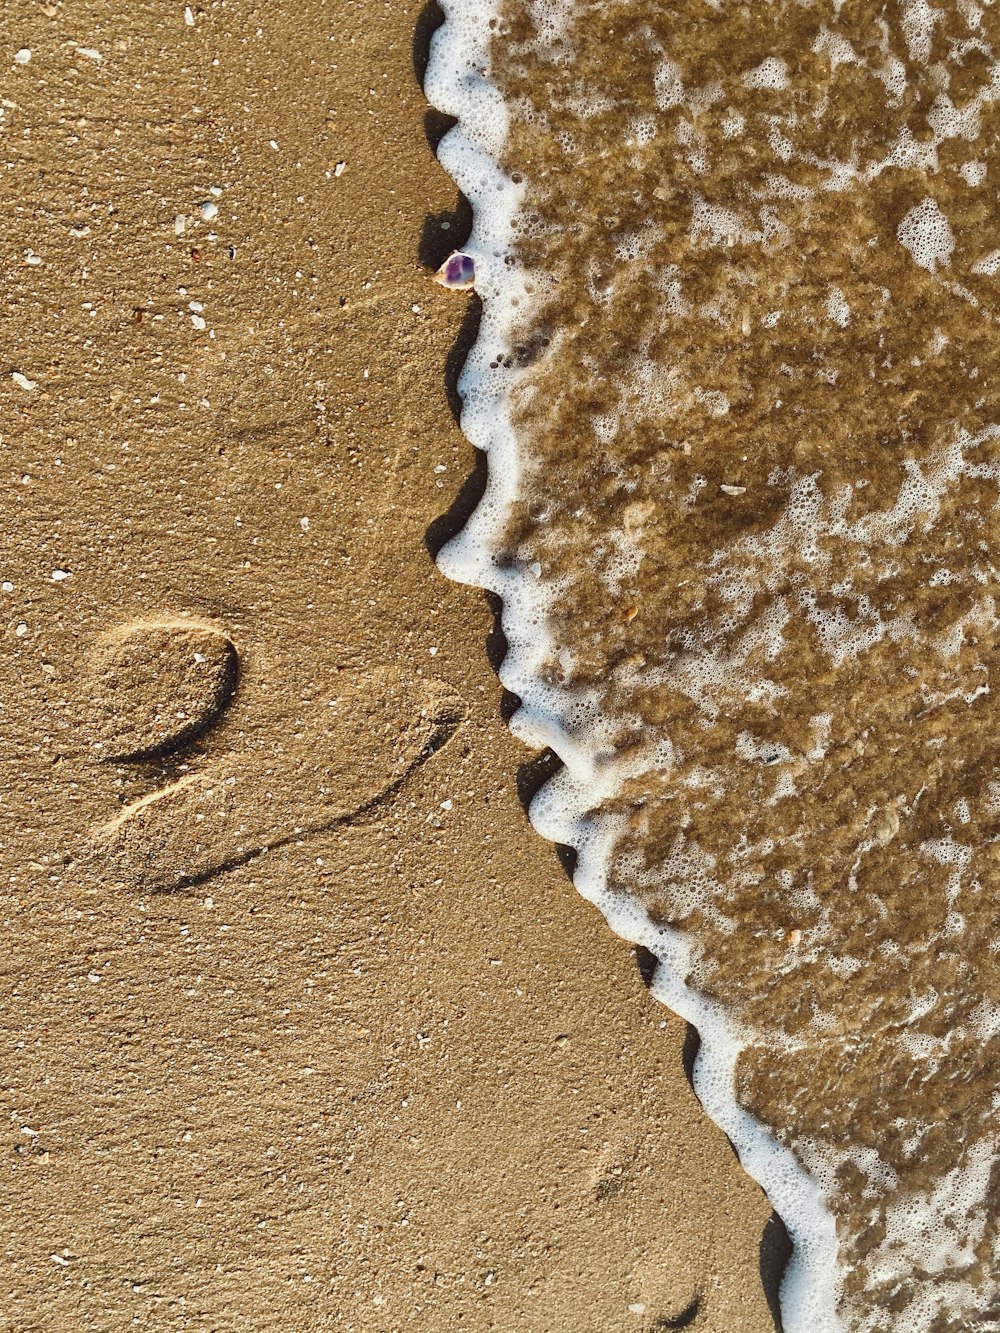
(391, 1073)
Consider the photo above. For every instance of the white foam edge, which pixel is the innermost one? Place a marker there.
(457, 83)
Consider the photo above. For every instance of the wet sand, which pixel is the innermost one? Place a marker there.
(306, 1028)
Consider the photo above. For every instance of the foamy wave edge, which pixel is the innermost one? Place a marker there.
(457, 83)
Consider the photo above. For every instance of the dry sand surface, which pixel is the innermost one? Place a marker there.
(305, 1028)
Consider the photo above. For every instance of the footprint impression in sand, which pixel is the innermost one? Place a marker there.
(156, 688)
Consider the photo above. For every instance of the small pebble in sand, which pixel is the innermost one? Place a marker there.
(189, 17)
(733, 490)
(60, 575)
(457, 273)
(23, 56)
(22, 381)
(210, 211)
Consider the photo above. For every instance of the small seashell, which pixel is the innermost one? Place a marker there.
(457, 273)
(733, 490)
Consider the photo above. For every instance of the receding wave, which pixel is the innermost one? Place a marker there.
(736, 381)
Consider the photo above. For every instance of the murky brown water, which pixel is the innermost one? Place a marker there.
(759, 425)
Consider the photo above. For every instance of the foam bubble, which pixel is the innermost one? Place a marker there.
(927, 235)
(770, 73)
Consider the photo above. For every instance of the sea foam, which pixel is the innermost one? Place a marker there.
(458, 83)
(734, 382)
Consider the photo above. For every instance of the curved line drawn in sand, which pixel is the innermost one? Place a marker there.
(342, 760)
(685, 1319)
(156, 685)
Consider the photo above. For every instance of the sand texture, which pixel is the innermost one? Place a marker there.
(305, 1028)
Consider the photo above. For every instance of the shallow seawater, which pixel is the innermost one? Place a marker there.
(738, 381)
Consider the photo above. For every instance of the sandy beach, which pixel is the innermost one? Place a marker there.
(306, 1029)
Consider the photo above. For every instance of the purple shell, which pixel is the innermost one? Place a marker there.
(458, 272)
